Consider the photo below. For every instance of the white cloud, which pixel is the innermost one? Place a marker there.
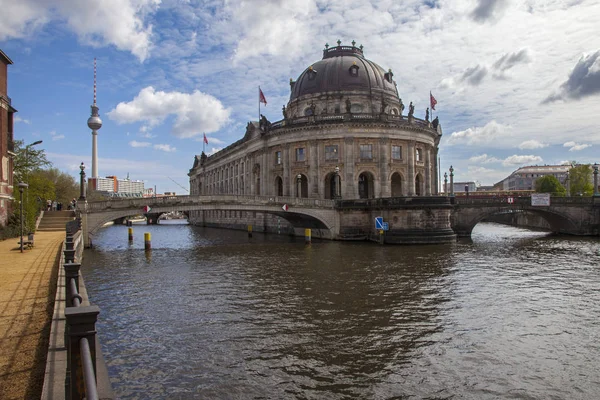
(576, 146)
(97, 23)
(165, 147)
(483, 159)
(520, 160)
(531, 145)
(56, 136)
(19, 119)
(491, 132)
(135, 143)
(195, 113)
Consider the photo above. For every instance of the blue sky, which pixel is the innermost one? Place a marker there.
(517, 81)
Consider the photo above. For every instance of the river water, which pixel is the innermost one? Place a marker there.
(213, 314)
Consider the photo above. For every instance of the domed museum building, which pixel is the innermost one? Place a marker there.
(344, 135)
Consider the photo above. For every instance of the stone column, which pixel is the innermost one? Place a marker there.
(251, 176)
(265, 169)
(313, 173)
(410, 184)
(595, 179)
(384, 161)
(436, 170)
(285, 153)
(350, 189)
(427, 171)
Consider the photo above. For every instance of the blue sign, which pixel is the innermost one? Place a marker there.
(378, 222)
(386, 227)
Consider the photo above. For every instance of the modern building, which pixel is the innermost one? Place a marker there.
(344, 134)
(524, 178)
(6, 142)
(111, 186)
(463, 187)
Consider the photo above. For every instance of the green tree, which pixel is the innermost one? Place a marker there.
(549, 184)
(27, 159)
(65, 186)
(580, 177)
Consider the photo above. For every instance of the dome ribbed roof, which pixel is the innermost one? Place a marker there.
(343, 68)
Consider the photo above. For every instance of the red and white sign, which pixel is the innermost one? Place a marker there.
(146, 209)
(284, 207)
(510, 200)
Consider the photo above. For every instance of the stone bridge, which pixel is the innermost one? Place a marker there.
(569, 215)
(301, 213)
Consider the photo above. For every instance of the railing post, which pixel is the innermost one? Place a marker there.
(71, 272)
(81, 323)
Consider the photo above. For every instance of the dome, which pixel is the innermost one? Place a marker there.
(344, 69)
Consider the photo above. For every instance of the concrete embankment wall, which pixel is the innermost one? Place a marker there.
(520, 220)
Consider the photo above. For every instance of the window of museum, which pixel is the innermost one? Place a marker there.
(419, 155)
(300, 154)
(278, 157)
(396, 152)
(331, 153)
(366, 152)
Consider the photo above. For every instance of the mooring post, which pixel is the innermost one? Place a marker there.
(249, 231)
(381, 236)
(147, 241)
(130, 234)
(307, 236)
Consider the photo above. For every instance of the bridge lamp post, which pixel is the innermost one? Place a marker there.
(596, 180)
(338, 183)
(451, 181)
(299, 184)
(82, 182)
(22, 186)
(446, 183)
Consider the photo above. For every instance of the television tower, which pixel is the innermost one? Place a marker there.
(94, 123)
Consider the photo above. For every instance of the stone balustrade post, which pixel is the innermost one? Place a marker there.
(80, 323)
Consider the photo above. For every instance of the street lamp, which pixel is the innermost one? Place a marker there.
(82, 182)
(451, 181)
(338, 183)
(22, 186)
(467, 190)
(446, 183)
(27, 164)
(596, 179)
(299, 184)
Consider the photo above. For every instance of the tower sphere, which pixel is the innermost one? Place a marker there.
(94, 122)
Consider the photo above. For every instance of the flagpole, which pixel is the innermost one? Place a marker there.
(204, 143)
(259, 104)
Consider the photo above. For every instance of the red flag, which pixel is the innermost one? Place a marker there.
(261, 97)
(205, 139)
(432, 100)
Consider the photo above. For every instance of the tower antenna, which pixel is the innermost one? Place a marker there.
(94, 123)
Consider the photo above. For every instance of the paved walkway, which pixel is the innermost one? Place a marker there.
(27, 289)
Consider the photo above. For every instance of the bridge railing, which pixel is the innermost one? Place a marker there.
(525, 200)
(124, 203)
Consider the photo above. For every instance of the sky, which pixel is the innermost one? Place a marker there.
(517, 81)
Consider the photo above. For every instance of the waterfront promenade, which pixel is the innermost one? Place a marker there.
(27, 290)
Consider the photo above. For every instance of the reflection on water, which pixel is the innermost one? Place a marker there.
(213, 314)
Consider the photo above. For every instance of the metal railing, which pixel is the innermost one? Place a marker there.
(80, 331)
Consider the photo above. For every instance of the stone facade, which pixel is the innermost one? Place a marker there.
(343, 135)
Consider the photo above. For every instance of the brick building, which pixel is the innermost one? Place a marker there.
(6, 142)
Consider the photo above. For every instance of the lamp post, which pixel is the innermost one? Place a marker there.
(568, 185)
(82, 182)
(299, 184)
(451, 181)
(446, 183)
(338, 189)
(467, 190)
(596, 179)
(27, 165)
(22, 186)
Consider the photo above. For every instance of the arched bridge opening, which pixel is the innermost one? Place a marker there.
(465, 218)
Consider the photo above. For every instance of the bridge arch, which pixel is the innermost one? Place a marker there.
(464, 219)
(303, 213)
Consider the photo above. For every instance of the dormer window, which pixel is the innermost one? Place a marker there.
(353, 69)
